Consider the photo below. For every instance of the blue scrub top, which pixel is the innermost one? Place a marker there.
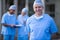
(7, 19)
(41, 29)
(21, 31)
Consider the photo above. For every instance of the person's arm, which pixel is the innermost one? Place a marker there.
(28, 36)
(54, 36)
(7, 25)
(28, 29)
(53, 29)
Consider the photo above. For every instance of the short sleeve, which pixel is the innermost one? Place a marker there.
(17, 22)
(3, 19)
(18, 19)
(27, 26)
(53, 27)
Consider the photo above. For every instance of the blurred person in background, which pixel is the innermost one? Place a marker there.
(8, 23)
(22, 18)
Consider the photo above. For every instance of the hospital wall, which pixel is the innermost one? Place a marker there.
(57, 14)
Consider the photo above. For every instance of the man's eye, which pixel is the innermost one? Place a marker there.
(39, 7)
(35, 7)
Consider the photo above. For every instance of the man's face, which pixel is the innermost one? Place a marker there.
(23, 13)
(38, 9)
(12, 11)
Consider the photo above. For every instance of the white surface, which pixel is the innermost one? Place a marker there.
(19, 25)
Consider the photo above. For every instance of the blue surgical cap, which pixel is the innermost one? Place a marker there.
(13, 7)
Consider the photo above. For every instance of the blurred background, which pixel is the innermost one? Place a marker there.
(52, 7)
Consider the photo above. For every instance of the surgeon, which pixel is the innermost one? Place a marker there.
(22, 18)
(40, 26)
(8, 23)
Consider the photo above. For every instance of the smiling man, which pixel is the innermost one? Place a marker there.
(40, 26)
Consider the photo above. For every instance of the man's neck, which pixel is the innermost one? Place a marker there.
(38, 15)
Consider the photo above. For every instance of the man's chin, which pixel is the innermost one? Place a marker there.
(38, 12)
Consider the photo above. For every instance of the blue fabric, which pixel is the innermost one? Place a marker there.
(38, 2)
(13, 7)
(41, 29)
(8, 37)
(21, 31)
(8, 20)
(25, 10)
(23, 38)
